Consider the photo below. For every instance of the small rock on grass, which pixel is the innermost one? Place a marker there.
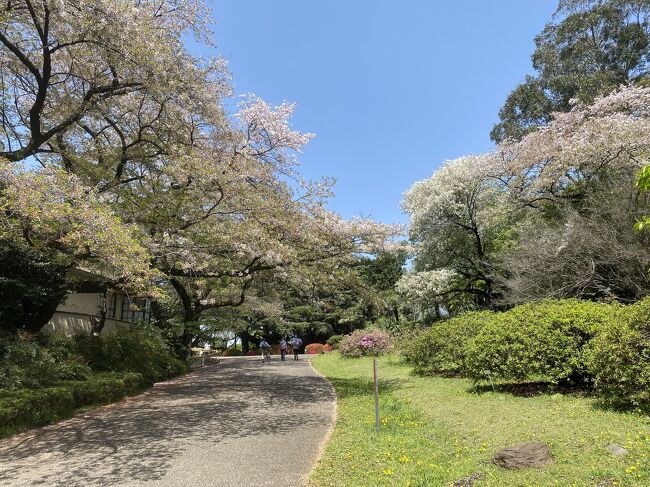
(617, 451)
(531, 454)
(469, 480)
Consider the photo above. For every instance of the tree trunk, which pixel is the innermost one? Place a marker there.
(97, 324)
(188, 315)
(396, 314)
(245, 345)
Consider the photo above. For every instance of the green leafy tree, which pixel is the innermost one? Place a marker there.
(594, 47)
(31, 286)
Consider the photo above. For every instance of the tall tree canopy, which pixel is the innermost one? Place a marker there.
(119, 154)
(593, 47)
(550, 215)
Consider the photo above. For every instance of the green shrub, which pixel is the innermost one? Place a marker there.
(41, 382)
(542, 341)
(232, 352)
(637, 315)
(71, 364)
(26, 363)
(138, 349)
(102, 388)
(33, 407)
(440, 350)
(619, 359)
(334, 341)
(606, 346)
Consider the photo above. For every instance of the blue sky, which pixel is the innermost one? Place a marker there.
(390, 88)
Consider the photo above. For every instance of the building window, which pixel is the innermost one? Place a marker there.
(109, 300)
(135, 309)
(111, 304)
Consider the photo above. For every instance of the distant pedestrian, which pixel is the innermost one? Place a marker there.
(295, 343)
(266, 350)
(283, 349)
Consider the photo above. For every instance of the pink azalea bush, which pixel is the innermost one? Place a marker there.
(365, 342)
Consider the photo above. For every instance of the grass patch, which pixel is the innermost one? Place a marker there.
(436, 431)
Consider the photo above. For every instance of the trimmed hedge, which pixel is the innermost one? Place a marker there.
(316, 348)
(22, 409)
(441, 350)
(46, 379)
(619, 359)
(105, 388)
(138, 349)
(26, 363)
(598, 345)
(542, 341)
(232, 352)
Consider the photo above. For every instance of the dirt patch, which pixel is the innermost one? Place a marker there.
(469, 480)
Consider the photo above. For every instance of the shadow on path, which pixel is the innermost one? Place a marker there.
(139, 439)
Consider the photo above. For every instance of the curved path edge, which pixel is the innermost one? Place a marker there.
(330, 430)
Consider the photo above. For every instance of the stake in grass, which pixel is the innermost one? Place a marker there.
(374, 370)
(368, 342)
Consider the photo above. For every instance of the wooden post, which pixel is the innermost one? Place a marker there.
(374, 368)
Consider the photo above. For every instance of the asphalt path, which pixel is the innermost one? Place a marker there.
(237, 423)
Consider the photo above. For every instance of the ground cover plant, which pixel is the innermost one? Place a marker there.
(437, 430)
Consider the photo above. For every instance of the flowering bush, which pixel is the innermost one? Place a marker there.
(365, 342)
(315, 348)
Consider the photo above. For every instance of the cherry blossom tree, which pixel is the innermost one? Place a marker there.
(84, 72)
(99, 95)
(514, 221)
(588, 145)
(106, 101)
(51, 209)
(457, 221)
(428, 291)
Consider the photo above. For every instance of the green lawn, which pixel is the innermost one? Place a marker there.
(435, 431)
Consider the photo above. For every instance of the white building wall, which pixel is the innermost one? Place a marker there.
(73, 316)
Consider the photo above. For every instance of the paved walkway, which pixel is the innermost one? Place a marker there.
(237, 423)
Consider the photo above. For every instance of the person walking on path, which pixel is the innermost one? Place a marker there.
(283, 349)
(266, 350)
(295, 343)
